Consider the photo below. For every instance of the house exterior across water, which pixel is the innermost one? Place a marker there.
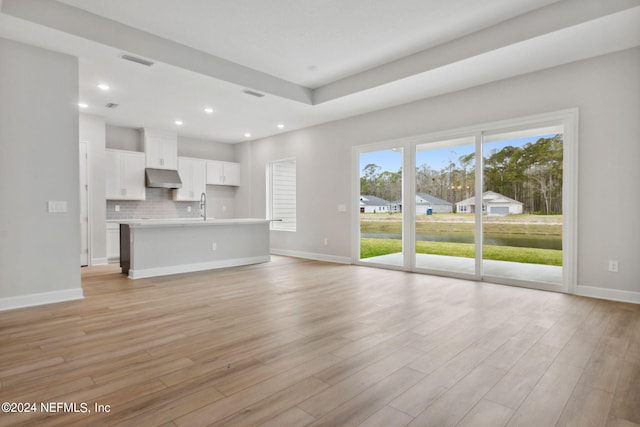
(492, 204)
(373, 204)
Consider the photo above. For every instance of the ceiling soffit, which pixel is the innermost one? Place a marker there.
(549, 19)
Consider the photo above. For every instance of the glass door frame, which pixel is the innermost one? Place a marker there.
(566, 119)
(466, 133)
(405, 145)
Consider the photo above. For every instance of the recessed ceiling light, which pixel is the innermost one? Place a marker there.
(179, 122)
(280, 126)
(247, 135)
(103, 86)
(208, 110)
(83, 105)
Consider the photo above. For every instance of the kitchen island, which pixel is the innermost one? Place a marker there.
(150, 248)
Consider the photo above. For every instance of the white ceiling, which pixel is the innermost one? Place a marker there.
(285, 38)
(315, 60)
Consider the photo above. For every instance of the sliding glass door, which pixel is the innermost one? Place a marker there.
(445, 236)
(522, 206)
(380, 211)
(495, 203)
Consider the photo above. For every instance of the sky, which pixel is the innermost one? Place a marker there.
(391, 161)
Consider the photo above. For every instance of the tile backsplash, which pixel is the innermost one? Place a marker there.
(158, 205)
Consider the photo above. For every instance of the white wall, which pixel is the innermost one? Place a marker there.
(130, 139)
(122, 138)
(92, 131)
(203, 149)
(244, 198)
(605, 89)
(39, 251)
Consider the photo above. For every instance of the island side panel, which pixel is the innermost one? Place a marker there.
(162, 250)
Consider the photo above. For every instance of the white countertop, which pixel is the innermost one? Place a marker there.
(189, 222)
(128, 220)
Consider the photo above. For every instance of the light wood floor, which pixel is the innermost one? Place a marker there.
(296, 343)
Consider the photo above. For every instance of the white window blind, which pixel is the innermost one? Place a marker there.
(283, 194)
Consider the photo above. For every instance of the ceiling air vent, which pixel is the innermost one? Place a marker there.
(252, 93)
(136, 60)
(111, 105)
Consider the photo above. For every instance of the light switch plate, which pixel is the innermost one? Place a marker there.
(57, 206)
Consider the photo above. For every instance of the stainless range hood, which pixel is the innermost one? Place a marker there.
(162, 178)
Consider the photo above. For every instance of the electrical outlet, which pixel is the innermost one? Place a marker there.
(188, 208)
(613, 266)
(214, 246)
(326, 241)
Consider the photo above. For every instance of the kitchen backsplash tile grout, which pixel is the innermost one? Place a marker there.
(157, 205)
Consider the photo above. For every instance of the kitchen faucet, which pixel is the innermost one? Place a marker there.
(203, 206)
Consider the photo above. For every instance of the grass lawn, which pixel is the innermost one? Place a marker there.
(373, 247)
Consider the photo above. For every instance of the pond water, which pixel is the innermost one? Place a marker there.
(540, 242)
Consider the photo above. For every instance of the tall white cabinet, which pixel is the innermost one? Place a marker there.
(125, 175)
(161, 149)
(193, 175)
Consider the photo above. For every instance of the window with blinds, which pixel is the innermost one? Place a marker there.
(282, 194)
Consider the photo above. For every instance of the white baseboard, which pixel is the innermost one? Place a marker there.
(99, 261)
(312, 255)
(200, 266)
(20, 301)
(610, 294)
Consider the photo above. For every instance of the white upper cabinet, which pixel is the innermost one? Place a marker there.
(124, 175)
(223, 173)
(231, 173)
(161, 149)
(193, 176)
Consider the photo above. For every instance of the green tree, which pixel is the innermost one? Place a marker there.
(368, 179)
